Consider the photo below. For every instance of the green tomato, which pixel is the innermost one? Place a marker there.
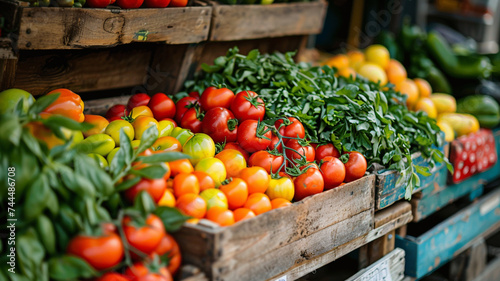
(101, 161)
(111, 155)
(214, 197)
(113, 130)
(165, 128)
(9, 99)
(182, 135)
(214, 168)
(99, 143)
(198, 147)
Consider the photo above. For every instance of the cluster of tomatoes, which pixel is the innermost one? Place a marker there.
(263, 164)
(152, 246)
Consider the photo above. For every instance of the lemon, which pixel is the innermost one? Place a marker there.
(373, 72)
(378, 55)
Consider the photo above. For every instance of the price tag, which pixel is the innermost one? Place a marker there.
(378, 273)
(282, 278)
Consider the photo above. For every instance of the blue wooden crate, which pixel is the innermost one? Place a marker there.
(387, 192)
(432, 199)
(440, 244)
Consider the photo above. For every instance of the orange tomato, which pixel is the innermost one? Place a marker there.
(236, 192)
(220, 215)
(68, 104)
(259, 203)
(256, 178)
(141, 124)
(100, 123)
(185, 183)
(192, 205)
(180, 166)
(204, 179)
(141, 111)
(168, 246)
(243, 214)
(167, 199)
(233, 160)
(279, 203)
(167, 144)
(178, 3)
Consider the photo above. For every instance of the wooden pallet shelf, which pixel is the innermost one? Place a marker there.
(392, 264)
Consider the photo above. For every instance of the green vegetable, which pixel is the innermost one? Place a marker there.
(484, 108)
(354, 115)
(438, 81)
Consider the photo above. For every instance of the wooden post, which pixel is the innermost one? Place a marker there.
(8, 65)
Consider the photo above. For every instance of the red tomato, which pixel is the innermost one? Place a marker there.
(213, 97)
(171, 120)
(274, 144)
(236, 146)
(309, 183)
(155, 188)
(265, 160)
(145, 238)
(141, 272)
(182, 106)
(192, 120)
(112, 276)
(168, 246)
(333, 172)
(219, 123)
(325, 150)
(161, 105)
(307, 151)
(117, 110)
(247, 105)
(157, 3)
(355, 167)
(251, 138)
(98, 3)
(195, 95)
(294, 130)
(100, 252)
(142, 98)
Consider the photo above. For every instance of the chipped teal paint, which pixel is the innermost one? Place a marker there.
(426, 253)
(433, 199)
(387, 192)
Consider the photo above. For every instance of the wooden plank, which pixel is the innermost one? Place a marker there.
(39, 72)
(452, 236)
(492, 271)
(239, 22)
(61, 28)
(232, 252)
(469, 264)
(314, 263)
(8, 64)
(386, 215)
(393, 261)
(191, 273)
(381, 247)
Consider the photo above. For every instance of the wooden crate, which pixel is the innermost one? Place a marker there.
(280, 241)
(392, 264)
(240, 22)
(434, 197)
(387, 192)
(428, 251)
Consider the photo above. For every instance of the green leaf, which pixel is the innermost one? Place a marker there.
(69, 268)
(156, 171)
(148, 138)
(424, 171)
(30, 253)
(162, 157)
(61, 121)
(85, 166)
(144, 203)
(76, 182)
(42, 103)
(11, 129)
(253, 54)
(36, 198)
(127, 184)
(172, 218)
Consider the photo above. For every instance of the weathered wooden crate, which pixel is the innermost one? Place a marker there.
(242, 22)
(281, 242)
(434, 197)
(387, 192)
(428, 251)
(99, 49)
(392, 264)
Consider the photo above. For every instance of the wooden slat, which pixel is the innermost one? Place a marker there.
(61, 28)
(469, 264)
(8, 64)
(395, 263)
(39, 72)
(239, 22)
(390, 214)
(492, 271)
(101, 106)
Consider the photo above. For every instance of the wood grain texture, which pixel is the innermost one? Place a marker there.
(101, 106)
(492, 271)
(396, 265)
(300, 232)
(469, 264)
(8, 64)
(237, 22)
(60, 28)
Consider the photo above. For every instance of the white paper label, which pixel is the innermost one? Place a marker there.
(378, 273)
(282, 278)
(489, 205)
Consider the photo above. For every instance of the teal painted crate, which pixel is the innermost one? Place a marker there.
(387, 192)
(429, 251)
(433, 199)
